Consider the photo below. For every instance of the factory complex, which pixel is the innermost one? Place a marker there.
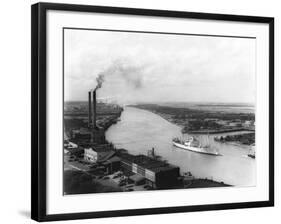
(86, 144)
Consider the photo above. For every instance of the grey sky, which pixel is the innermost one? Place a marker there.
(141, 67)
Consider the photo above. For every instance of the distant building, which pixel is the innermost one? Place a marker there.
(235, 124)
(222, 122)
(210, 119)
(249, 123)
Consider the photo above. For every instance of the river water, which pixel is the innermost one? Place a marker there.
(140, 130)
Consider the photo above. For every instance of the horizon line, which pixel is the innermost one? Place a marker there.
(151, 102)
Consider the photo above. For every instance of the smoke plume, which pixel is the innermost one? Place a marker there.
(100, 80)
(131, 74)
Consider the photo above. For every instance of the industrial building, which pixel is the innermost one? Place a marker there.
(93, 133)
(158, 174)
(99, 153)
(112, 165)
(139, 168)
(97, 133)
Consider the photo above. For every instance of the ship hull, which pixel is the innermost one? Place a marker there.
(194, 149)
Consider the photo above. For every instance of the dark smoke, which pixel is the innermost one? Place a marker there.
(100, 80)
(132, 74)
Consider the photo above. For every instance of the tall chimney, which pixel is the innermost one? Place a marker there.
(94, 109)
(90, 109)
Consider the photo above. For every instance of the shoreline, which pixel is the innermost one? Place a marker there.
(196, 182)
(206, 183)
(198, 131)
(219, 131)
(108, 186)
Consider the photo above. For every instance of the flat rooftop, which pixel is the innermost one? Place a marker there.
(100, 147)
(147, 162)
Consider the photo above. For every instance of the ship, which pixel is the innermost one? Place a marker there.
(252, 155)
(192, 144)
(252, 152)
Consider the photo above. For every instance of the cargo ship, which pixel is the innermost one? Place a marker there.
(194, 145)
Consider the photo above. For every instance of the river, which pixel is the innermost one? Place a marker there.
(140, 130)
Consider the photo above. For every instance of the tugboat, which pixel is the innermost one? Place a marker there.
(194, 145)
(252, 153)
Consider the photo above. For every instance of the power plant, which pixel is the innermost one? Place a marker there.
(90, 109)
(96, 118)
(93, 148)
(97, 133)
(92, 116)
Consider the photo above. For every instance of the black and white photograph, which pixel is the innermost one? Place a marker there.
(137, 111)
(147, 111)
(140, 112)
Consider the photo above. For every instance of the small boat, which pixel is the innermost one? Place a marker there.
(193, 145)
(252, 155)
(252, 152)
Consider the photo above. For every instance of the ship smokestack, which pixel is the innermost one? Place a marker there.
(90, 109)
(94, 109)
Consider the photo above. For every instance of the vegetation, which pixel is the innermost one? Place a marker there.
(187, 113)
(200, 121)
(246, 139)
(201, 124)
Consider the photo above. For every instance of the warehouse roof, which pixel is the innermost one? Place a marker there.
(112, 160)
(147, 162)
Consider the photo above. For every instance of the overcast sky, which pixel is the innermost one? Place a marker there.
(141, 67)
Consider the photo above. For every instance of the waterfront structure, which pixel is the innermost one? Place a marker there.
(158, 174)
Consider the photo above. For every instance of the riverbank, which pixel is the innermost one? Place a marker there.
(209, 131)
(83, 177)
(243, 139)
(218, 131)
(206, 183)
(194, 121)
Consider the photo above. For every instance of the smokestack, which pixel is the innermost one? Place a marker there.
(94, 109)
(90, 109)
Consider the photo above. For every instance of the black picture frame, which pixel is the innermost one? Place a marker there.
(38, 108)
